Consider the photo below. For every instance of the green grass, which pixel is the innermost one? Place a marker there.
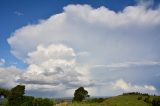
(126, 100)
(123, 100)
(88, 104)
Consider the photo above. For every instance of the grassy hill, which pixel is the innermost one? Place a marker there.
(126, 100)
(122, 100)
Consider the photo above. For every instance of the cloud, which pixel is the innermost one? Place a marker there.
(146, 3)
(128, 87)
(50, 68)
(8, 76)
(51, 52)
(53, 67)
(83, 54)
(60, 50)
(18, 13)
(2, 62)
(128, 64)
(82, 26)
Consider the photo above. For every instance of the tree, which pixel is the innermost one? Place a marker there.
(80, 94)
(4, 92)
(16, 97)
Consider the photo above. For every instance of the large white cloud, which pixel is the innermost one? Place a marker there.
(53, 67)
(85, 28)
(56, 49)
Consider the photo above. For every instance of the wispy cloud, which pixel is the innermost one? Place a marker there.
(18, 13)
(128, 64)
(2, 62)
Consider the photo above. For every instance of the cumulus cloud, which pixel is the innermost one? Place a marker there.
(128, 87)
(8, 76)
(53, 67)
(51, 52)
(53, 48)
(50, 68)
(83, 28)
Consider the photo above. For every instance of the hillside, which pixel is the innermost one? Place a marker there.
(16, 97)
(126, 100)
(122, 100)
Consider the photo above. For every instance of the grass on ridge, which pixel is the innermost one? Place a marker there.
(122, 100)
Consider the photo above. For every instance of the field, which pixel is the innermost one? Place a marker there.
(123, 100)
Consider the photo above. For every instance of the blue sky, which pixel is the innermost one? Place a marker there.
(99, 44)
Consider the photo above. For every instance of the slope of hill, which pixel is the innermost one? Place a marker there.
(127, 100)
(122, 100)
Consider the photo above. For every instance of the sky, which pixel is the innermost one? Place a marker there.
(55, 46)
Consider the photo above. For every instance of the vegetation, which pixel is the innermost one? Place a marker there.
(156, 101)
(38, 102)
(80, 94)
(136, 93)
(4, 92)
(140, 98)
(96, 100)
(15, 97)
(127, 99)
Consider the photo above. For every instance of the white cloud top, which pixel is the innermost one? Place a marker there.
(51, 52)
(83, 27)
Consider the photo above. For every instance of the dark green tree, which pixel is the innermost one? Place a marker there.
(16, 97)
(80, 94)
(4, 92)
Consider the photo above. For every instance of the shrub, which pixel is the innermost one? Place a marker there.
(139, 97)
(147, 100)
(156, 101)
(5, 103)
(42, 102)
(136, 93)
(29, 103)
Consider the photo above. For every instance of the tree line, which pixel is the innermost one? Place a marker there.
(16, 97)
